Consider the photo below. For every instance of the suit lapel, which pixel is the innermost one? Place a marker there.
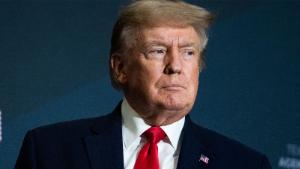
(193, 153)
(104, 146)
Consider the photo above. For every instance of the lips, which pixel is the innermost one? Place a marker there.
(173, 87)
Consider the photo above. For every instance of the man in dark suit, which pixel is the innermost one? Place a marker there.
(155, 60)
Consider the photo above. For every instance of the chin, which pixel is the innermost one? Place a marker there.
(176, 107)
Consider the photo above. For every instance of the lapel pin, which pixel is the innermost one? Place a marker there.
(204, 159)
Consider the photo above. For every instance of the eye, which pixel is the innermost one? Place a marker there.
(156, 53)
(187, 53)
(190, 53)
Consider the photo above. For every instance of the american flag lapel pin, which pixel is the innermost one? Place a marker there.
(204, 159)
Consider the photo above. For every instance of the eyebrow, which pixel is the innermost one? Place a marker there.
(154, 43)
(189, 44)
(160, 43)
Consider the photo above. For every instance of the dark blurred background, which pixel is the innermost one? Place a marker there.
(53, 67)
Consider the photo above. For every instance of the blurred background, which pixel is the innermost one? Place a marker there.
(53, 67)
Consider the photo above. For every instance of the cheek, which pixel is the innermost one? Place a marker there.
(193, 78)
(193, 71)
(145, 76)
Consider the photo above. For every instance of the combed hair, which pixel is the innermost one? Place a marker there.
(155, 13)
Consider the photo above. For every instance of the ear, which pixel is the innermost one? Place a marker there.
(118, 67)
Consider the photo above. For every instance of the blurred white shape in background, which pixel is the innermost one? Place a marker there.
(0, 126)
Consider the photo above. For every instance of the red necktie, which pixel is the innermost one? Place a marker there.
(148, 155)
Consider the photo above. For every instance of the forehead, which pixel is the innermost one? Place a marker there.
(171, 35)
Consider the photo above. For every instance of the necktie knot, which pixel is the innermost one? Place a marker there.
(154, 134)
(148, 155)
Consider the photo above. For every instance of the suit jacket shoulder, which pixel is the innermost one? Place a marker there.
(86, 143)
(206, 148)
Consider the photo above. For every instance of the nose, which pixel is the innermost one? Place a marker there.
(173, 63)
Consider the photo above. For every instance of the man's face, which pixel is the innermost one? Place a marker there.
(161, 75)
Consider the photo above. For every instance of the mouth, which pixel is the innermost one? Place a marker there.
(173, 87)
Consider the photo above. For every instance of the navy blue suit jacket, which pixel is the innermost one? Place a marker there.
(96, 143)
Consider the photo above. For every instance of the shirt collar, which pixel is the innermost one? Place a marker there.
(133, 126)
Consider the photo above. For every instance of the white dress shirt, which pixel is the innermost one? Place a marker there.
(132, 128)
